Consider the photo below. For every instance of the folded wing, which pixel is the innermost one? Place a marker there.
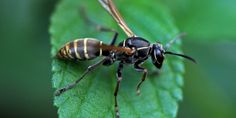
(111, 8)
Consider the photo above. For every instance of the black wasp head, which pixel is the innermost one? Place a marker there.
(157, 54)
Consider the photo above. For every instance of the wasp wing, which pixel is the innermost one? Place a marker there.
(111, 8)
(106, 47)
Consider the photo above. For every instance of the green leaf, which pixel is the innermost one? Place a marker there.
(93, 96)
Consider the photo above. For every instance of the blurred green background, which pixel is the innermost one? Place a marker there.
(25, 66)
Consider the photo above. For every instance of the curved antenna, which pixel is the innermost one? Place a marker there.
(179, 36)
(111, 8)
(181, 55)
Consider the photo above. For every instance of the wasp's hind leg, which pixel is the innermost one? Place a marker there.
(97, 26)
(72, 85)
(119, 78)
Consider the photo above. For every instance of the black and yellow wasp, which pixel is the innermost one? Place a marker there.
(133, 50)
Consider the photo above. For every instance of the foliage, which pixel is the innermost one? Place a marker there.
(93, 97)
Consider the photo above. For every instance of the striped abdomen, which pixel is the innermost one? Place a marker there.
(81, 49)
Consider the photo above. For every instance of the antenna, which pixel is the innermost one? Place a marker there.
(179, 36)
(181, 55)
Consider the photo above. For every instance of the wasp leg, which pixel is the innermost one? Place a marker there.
(113, 41)
(140, 69)
(98, 27)
(119, 78)
(72, 85)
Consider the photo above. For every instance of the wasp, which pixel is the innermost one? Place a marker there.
(134, 50)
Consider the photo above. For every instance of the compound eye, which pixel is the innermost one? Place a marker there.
(157, 58)
(158, 53)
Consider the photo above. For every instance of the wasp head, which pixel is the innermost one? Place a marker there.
(157, 54)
